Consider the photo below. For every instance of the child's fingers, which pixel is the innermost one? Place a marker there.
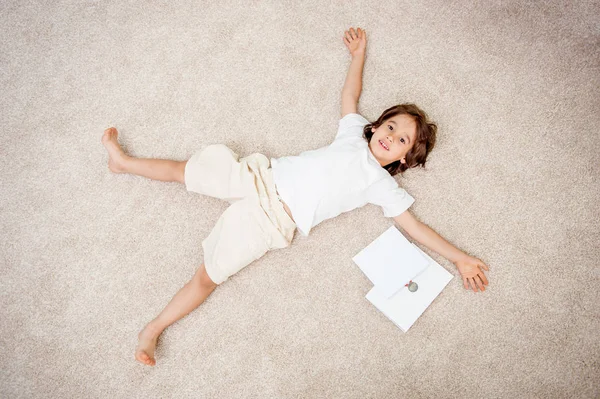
(483, 278)
(479, 283)
(472, 283)
(465, 283)
(484, 266)
(351, 34)
(348, 36)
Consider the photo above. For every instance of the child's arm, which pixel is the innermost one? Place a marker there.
(356, 43)
(468, 266)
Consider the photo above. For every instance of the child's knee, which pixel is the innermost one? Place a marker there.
(203, 278)
(181, 172)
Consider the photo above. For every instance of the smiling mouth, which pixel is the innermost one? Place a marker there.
(381, 143)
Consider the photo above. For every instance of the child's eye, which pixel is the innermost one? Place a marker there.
(403, 141)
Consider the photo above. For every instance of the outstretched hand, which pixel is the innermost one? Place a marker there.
(470, 269)
(356, 41)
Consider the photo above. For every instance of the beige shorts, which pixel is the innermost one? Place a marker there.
(254, 223)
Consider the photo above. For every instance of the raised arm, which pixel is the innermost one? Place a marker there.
(356, 42)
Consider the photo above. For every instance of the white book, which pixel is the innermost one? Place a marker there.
(390, 261)
(405, 307)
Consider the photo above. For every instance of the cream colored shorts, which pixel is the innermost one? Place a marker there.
(254, 223)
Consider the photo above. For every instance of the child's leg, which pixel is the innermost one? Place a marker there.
(157, 169)
(187, 299)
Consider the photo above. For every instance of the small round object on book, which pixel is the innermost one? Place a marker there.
(412, 287)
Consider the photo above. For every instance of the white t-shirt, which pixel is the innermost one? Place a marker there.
(323, 183)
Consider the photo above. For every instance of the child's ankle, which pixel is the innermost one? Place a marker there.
(153, 328)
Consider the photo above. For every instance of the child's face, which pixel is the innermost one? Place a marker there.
(398, 133)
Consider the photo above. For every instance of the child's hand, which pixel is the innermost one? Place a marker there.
(355, 42)
(469, 268)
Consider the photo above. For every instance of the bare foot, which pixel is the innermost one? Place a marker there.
(144, 353)
(116, 155)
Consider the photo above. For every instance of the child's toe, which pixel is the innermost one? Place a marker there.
(145, 358)
(142, 356)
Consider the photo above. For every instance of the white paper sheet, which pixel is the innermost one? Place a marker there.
(390, 261)
(405, 307)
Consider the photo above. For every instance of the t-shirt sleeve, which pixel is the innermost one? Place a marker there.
(393, 199)
(351, 125)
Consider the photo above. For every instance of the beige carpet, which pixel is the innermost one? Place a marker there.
(88, 257)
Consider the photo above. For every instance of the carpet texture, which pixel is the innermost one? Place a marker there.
(89, 256)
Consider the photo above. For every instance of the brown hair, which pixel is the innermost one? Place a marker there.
(424, 140)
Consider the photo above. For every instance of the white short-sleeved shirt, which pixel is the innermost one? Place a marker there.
(323, 183)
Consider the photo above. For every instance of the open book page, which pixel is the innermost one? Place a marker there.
(390, 261)
(405, 307)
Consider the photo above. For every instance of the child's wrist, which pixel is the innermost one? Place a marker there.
(460, 257)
